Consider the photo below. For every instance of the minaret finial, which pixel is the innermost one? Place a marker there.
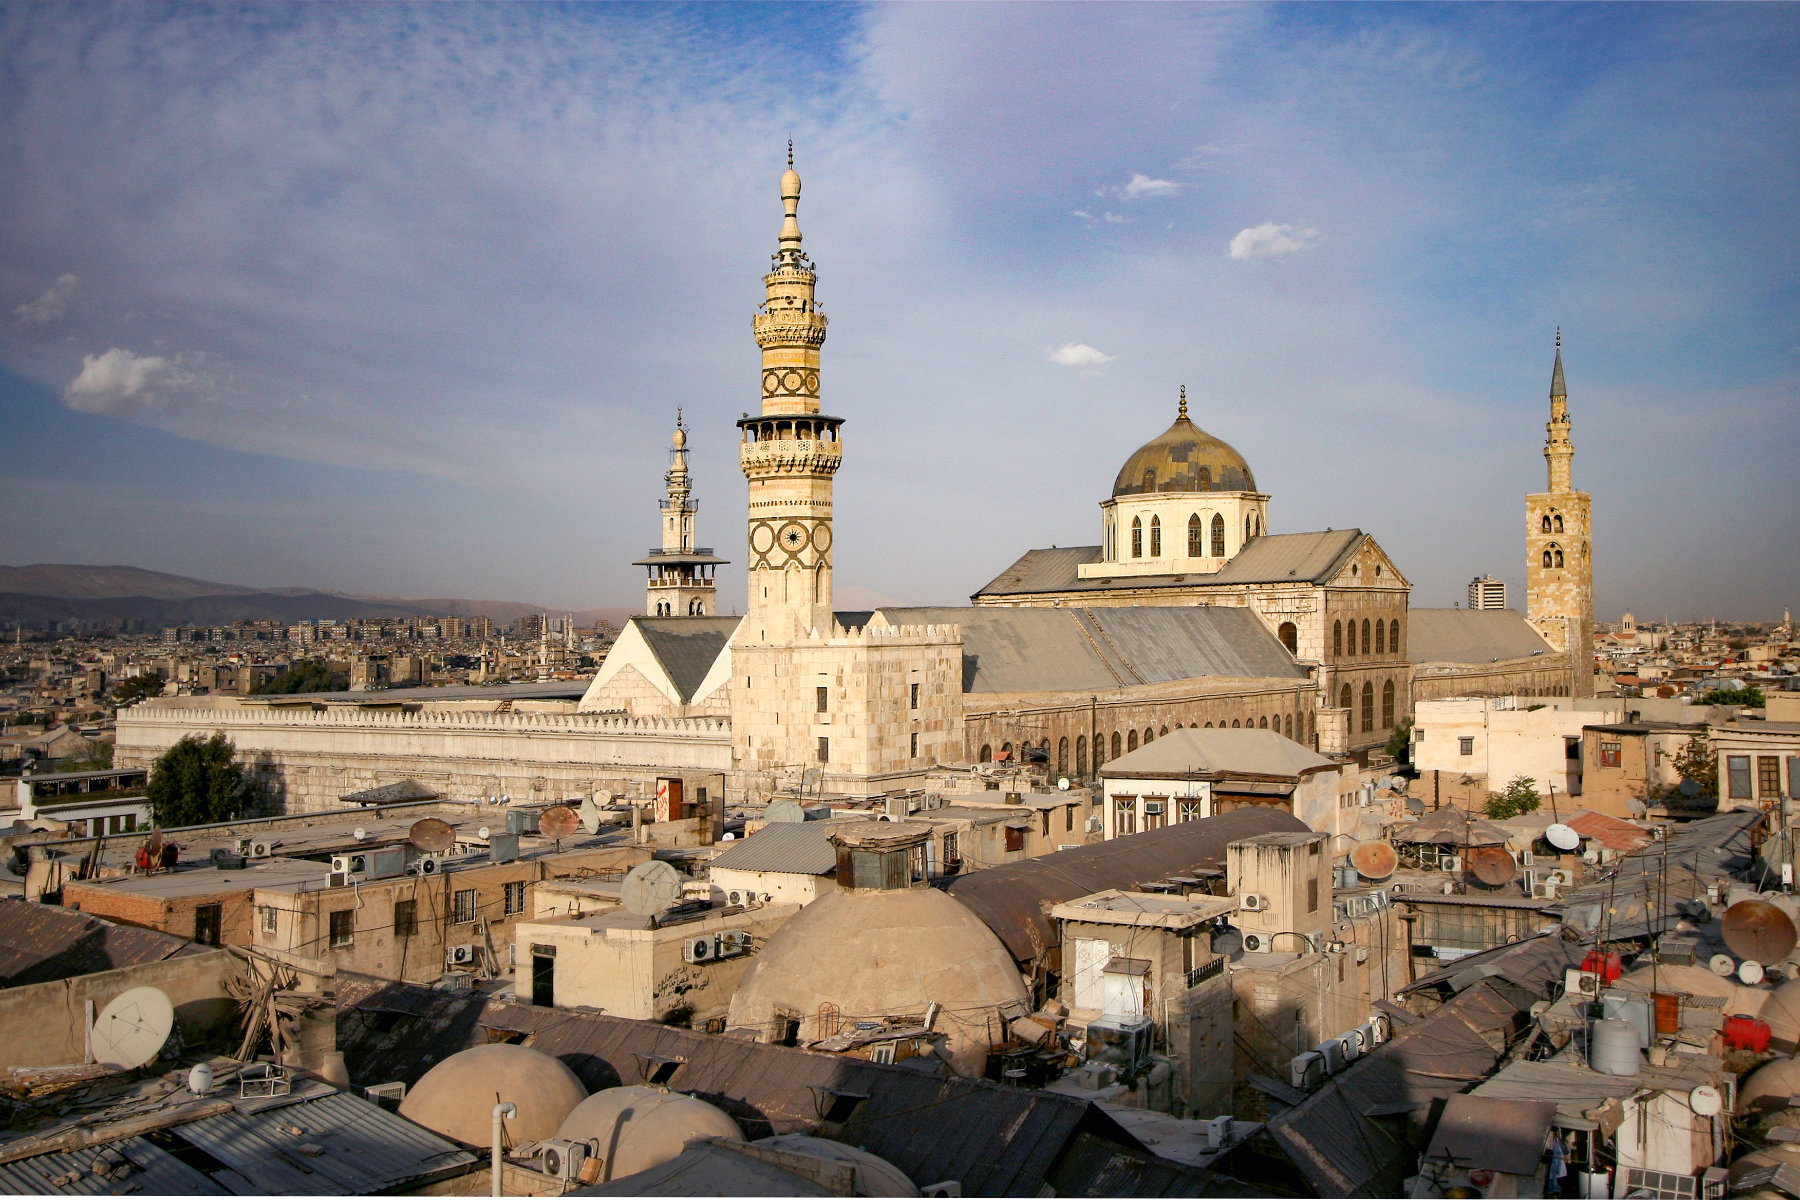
(1557, 389)
(790, 152)
(1181, 413)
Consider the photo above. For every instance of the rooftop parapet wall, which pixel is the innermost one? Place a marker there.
(894, 635)
(609, 724)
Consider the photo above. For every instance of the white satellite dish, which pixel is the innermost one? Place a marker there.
(1721, 965)
(590, 814)
(1706, 1101)
(650, 888)
(1063, 783)
(132, 1029)
(1562, 837)
(1750, 972)
(359, 833)
(729, 837)
(484, 833)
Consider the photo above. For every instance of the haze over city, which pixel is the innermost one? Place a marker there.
(402, 301)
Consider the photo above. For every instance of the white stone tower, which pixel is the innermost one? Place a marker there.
(1559, 568)
(681, 574)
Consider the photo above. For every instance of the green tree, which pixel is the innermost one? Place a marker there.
(196, 783)
(138, 687)
(1516, 799)
(1749, 697)
(1399, 747)
(303, 675)
(1696, 762)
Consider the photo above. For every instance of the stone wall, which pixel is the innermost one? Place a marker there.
(47, 1022)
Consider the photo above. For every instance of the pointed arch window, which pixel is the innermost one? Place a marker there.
(1368, 708)
(1387, 705)
(1246, 527)
(1556, 525)
(1137, 538)
(1196, 537)
(1290, 726)
(1262, 722)
(1547, 559)
(1218, 536)
(1559, 561)
(1155, 537)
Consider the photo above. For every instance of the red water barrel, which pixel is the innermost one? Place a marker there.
(1608, 966)
(1744, 1032)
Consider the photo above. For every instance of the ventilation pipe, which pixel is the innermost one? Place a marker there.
(502, 1111)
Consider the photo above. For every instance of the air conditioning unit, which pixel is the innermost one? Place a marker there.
(261, 849)
(388, 1095)
(242, 846)
(697, 950)
(339, 879)
(1528, 879)
(1352, 1044)
(425, 864)
(562, 1158)
(1335, 947)
(1307, 1070)
(1370, 1039)
(1450, 862)
(1362, 954)
(1154, 808)
(1382, 1024)
(349, 864)
(1526, 858)
(1400, 887)
(458, 956)
(734, 898)
(732, 943)
(1449, 887)
(1332, 1052)
(1581, 983)
(1251, 902)
(1564, 878)
(1094, 824)
(1218, 1133)
(385, 864)
(1544, 889)
(503, 847)
(1255, 942)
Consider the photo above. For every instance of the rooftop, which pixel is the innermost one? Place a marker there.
(1183, 753)
(1460, 635)
(1114, 907)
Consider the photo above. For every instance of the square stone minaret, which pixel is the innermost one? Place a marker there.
(1559, 566)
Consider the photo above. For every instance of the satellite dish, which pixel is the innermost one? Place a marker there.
(1063, 783)
(1757, 929)
(1374, 860)
(1562, 837)
(1493, 866)
(590, 814)
(1688, 787)
(132, 1029)
(1722, 966)
(728, 837)
(431, 835)
(558, 822)
(359, 833)
(784, 812)
(1750, 972)
(484, 833)
(1706, 1101)
(650, 888)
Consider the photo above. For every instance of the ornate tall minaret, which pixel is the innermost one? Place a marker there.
(681, 574)
(1559, 568)
(790, 451)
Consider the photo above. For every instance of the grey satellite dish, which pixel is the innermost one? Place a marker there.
(1750, 972)
(1562, 837)
(784, 812)
(1722, 966)
(590, 815)
(1688, 787)
(132, 1029)
(359, 833)
(484, 833)
(650, 888)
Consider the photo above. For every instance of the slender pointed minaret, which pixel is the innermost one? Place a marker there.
(1559, 569)
(681, 573)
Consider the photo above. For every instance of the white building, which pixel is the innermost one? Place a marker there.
(1464, 748)
(1192, 774)
(1486, 593)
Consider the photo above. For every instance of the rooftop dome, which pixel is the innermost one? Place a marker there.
(1769, 1086)
(875, 1176)
(642, 1127)
(456, 1098)
(1185, 458)
(873, 954)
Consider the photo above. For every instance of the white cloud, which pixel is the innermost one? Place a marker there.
(1270, 240)
(48, 308)
(1204, 158)
(118, 383)
(1113, 218)
(1142, 187)
(1080, 358)
(1083, 214)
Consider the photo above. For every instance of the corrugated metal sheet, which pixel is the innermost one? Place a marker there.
(1014, 900)
(1211, 751)
(366, 1148)
(41, 942)
(1487, 1133)
(1531, 964)
(797, 847)
(153, 1172)
(1272, 558)
(1460, 635)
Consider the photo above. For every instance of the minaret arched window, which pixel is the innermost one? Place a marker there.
(1246, 527)
(1062, 756)
(1381, 637)
(1218, 536)
(1545, 523)
(1155, 537)
(1368, 708)
(1547, 559)
(1337, 639)
(1387, 705)
(1556, 523)
(1559, 561)
(1196, 537)
(1137, 538)
(1394, 636)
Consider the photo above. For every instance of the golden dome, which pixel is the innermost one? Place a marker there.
(1185, 458)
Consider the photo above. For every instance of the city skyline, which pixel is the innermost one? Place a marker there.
(369, 301)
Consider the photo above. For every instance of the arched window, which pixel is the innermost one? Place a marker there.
(1234, 724)
(1387, 705)
(1218, 536)
(1260, 529)
(1262, 723)
(1368, 708)
(1381, 637)
(1164, 731)
(1246, 527)
(1149, 736)
(1556, 525)
(1394, 636)
(1209, 724)
(1149, 479)
(1006, 749)
(1337, 639)
(987, 754)
(1196, 537)
(1344, 696)
(1062, 756)
(1312, 730)
(1131, 741)
(1290, 726)
(1137, 538)
(1559, 561)
(1099, 751)
(1545, 524)
(1547, 559)
(1155, 537)
(1115, 743)
(1289, 634)
(1365, 644)
(1081, 757)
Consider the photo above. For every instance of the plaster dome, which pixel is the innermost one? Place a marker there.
(1769, 1086)
(876, 953)
(640, 1127)
(875, 1176)
(456, 1098)
(1782, 1012)
(1184, 458)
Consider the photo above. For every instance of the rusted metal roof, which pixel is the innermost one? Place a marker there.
(150, 1171)
(42, 942)
(1015, 900)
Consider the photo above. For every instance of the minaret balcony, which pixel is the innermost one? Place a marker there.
(789, 328)
(786, 456)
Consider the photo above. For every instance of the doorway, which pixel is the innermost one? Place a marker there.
(543, 980)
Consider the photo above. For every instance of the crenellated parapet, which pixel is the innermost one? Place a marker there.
(326, 716)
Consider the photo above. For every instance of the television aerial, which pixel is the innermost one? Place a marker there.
(1563, 837)
(132, 1029)
(431, 835)
(558, 822)
(650, 888)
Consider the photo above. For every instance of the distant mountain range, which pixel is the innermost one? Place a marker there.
(46, 592)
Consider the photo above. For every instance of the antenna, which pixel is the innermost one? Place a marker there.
(430, 835)
(650, 888)
(132, 1029)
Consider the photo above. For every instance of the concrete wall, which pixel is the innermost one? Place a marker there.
(170, 914)
(1509, 738)
(46, 1023)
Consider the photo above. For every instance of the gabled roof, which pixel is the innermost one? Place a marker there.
(687, 647)
(794, 847)
(1182, 752)
(41, 942)
(1272, 558)
(1460, 635)
(1080, 649)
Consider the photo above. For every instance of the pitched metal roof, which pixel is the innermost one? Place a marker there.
(1014, 900)
(152, 1172)
(1292, 557)
(795, 847)
(1460, 635)
(1271, 558)
(42, 942)
(391, 793)
(1081, 649)
(1212, 751)
(1491, 1134)
(687, 647)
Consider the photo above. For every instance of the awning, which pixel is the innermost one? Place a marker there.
(1127, 966)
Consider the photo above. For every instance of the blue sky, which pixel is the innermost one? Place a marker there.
(401, 300)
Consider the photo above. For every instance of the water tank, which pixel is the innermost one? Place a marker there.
(1613, 1048)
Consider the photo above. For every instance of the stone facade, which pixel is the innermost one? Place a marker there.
(1559, 566)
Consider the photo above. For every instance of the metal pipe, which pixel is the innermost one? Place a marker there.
(503, 1110)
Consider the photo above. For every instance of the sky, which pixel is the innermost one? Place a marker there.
(402, 300)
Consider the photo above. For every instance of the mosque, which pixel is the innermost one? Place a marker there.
(1190, 611)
